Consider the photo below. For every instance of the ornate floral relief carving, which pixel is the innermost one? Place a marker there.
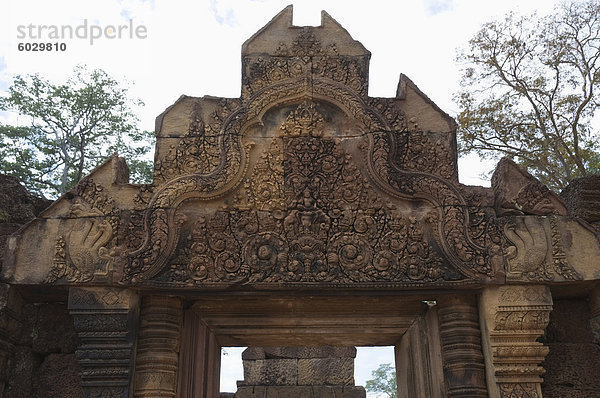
(520, 390)
(305, 172)
(85, 252)
(303, 121)
(474, 245)
(303, 247)
(305, 45)
(305, 56)
(425, 153)
(161, 227)
(411, 166)
(197, 175)
(263, 72)
(331, 226)
(536, 252)
(411, 152)
(264, 190)
(207, 148)
(388, 111)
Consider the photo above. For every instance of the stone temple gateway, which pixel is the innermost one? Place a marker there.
(303, 219)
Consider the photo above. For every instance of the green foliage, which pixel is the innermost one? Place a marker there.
(68, 129)
(529, 89)
(383, 381)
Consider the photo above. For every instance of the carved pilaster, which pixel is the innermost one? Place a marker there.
(513, 317)
(158, 347)
(464, 368)
(105, 321)
(10, 307)
(595, 314)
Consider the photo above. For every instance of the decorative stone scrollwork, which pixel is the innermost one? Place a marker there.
(304, 56)
(265, 190)
(303, 121)
(474, 250)
(331, 151)
(205, 149)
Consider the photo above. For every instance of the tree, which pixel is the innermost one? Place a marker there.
(529, 91)
(383, 381)
(71, 128)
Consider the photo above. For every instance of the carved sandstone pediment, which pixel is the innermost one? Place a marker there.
(303, 181)
(316, 202)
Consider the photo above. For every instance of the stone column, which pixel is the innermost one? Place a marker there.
(200, 360)
(105, 320)
(418, 355)
(158, 347)
(464, 368)
(513, 317)
(10, 308)
(595, 313)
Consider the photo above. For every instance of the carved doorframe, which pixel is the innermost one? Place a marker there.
(423, 340)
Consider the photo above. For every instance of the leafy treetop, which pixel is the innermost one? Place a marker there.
(383, 381)
(529, 91)
(70, 129)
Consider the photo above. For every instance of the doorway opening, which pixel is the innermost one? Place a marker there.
(310, 324)
(232, 368)
(369, 360)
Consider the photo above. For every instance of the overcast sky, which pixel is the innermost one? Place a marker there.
(193, 47)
